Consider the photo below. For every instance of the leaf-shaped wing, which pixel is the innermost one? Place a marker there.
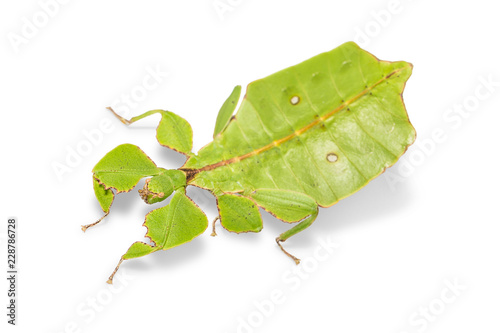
(226, 111)
(324, 127)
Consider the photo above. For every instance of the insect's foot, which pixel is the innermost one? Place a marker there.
(110, 279)
(213, 234)
(85, 227)
(278, 241)
(123, 120)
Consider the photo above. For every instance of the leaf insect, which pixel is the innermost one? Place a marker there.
(302, 138)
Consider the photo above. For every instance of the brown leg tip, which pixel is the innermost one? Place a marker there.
(213, 234)
(110, 279)
(85, 227)
(278, 241)
(123, 120)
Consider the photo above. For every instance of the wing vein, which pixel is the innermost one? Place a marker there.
(336, 139)
(299, 182)
(256, 156)
(304, 145)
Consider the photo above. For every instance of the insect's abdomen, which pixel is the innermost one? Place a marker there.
(325, 127)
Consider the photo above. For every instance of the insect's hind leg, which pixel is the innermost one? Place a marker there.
(288, 206)
(295, 230)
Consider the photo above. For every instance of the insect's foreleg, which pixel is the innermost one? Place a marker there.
(133, 119)
(173, 132)
(296, 229)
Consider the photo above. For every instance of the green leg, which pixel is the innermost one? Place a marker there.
(133, 119)
(288, 206)
(295, 230)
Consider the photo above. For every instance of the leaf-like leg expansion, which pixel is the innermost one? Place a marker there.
(136, 250)
(85, 227)
(238, 213)
(173, 132)
(288, 206)
(213, 234)
(105, 198)
(106, 175)
(160, 187)
(122, 168)
(169, 226)
(296, 229)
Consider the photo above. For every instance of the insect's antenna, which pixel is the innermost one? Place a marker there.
(133, 119)
(110, 279)
(85, 227)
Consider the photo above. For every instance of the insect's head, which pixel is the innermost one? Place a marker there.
(160, 187)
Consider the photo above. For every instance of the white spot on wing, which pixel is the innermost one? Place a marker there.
(295, 100)
(331, 157)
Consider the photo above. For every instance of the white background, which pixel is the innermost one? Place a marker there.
(428, 223)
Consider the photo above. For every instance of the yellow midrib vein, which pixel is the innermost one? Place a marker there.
(298, 132)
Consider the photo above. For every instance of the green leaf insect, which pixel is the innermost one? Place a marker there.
(302, 138)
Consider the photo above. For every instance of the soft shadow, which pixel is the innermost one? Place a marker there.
(128, 200)
(375, 200)
(175, 258)
(136, 127)
(204, 199)
(168, 158)
(169, 260)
